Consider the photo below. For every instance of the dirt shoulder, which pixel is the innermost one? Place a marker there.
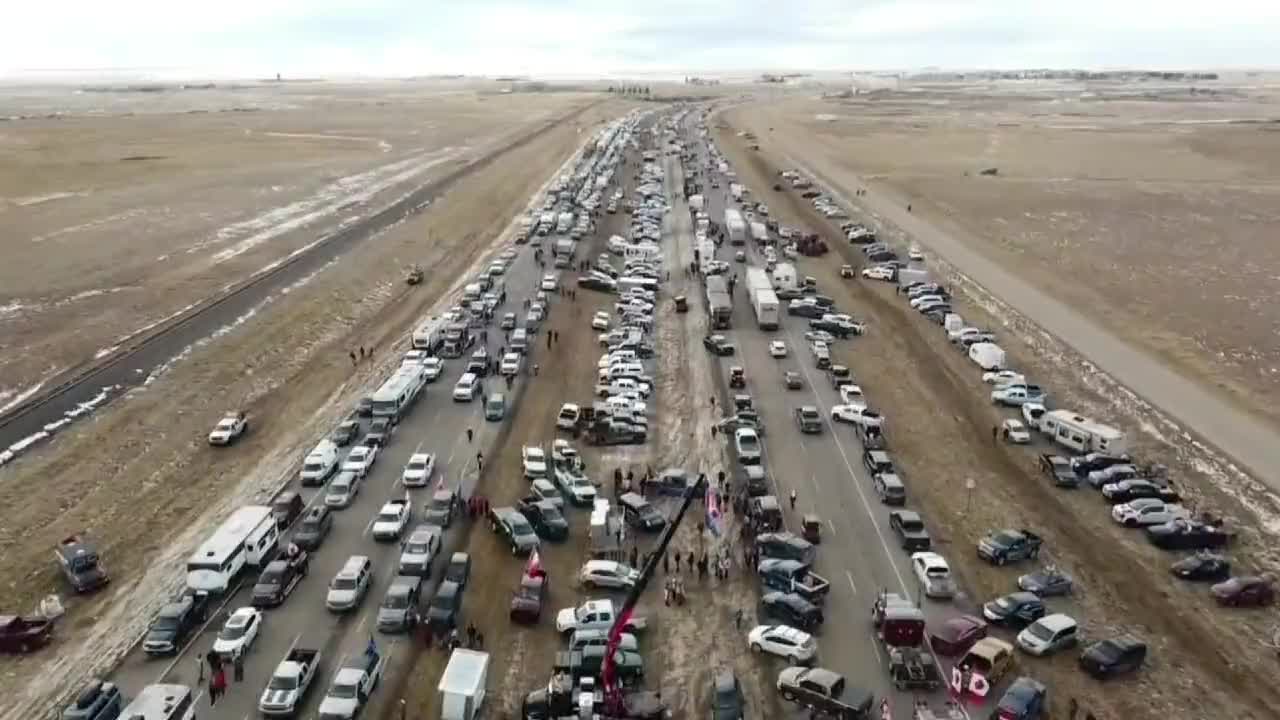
(940, 435)
(149, 451)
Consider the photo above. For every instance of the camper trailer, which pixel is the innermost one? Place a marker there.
(1082, 434)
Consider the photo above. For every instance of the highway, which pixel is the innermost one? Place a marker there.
(858, 553)
(131, 365)
(437, 424)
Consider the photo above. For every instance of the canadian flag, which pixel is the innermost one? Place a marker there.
(969, 682)
(534, 567)
(978, 685)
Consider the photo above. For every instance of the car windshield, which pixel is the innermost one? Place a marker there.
(417, 548)
(390, 516)
(233, 631)
(1005, 538)
(344, 583)
(938, 572)
(521, 527)
(727, 699)
(912, 524)
(417, 464)
(1005, 602)
(270, 577)
(283, 683)
(550, 513)
(339, 489)
(345, 691)
(396, 602)
(166, 623)
(226, 424)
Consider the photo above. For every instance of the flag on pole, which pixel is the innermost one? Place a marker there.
(533, 568)
(713, 512)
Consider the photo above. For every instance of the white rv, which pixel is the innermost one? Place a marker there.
(987, 356)
(1082, 434)
(399, 391)
(426, 338)
(249, 537)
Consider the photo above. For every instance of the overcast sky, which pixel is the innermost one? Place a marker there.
(607, 37)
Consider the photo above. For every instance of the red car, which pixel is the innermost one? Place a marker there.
(957, 635)
(1245, 591)
(526, 601)
(24, 634)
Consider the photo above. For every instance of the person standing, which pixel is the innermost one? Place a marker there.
(479, 461)
(470, 434)
(217, 685)
(793, 499)
(199, 669)
(238, 665)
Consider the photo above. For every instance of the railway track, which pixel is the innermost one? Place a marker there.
(126, 367)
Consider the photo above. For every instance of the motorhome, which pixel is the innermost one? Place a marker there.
(1082, 434)
(162, 702)
(425, 337)
(398, 392)
(249, 537)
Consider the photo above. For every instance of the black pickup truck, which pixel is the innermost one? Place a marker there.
(279, 579)
(1005, 546)
(823, 691)
(589, 662)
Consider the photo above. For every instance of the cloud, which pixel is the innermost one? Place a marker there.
(609, 37)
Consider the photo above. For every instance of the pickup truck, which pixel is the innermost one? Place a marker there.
(284, 692)
(81, 564)
(820, 690)
(594, 614)
(589, 662)
(1058, 470)
(793, 576)
(351, 686)
(279, 578)
(24, 634)
(391, 520)
(1004, 546)
(1016, 396)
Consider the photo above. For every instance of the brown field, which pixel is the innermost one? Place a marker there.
(1152, 213)
(115, 222)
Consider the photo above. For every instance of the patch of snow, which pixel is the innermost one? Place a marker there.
(105, 352)
(345, 193)
(13, 398)
(307, 278)
(57, 425)
(12, 308)
(50, 197)
(26, 442)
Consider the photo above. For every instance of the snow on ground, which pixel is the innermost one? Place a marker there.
(342, 194)
(12, 398)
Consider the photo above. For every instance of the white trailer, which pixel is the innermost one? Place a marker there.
(735, 226)
(765, 304)
(249, 537)
(1082, 434)
(395, 395)
(735, 190)
(759, 233)
(697, 202)
(462, 687)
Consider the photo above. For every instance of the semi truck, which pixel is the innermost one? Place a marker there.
(759, 233)
(719, 302)
(735, 227)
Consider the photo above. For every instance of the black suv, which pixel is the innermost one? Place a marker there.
(545, 517)
(314, 528)
(877, 461)
(379, 432)
(442, 615)
(346, 433)
(1113, 656)
(175, 624)
(513, 526)
(718, 345)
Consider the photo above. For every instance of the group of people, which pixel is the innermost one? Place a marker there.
(218, 673)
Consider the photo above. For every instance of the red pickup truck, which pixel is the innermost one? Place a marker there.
(24, 634)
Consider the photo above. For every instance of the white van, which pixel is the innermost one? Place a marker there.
(621, 370)
(987, 356)
(467, 387)
(319, 463)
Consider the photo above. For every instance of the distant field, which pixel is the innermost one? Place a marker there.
(1155, 214)
(129, 206)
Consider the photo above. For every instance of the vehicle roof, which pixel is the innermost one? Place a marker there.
(353, 565)
(1057, 622)
(595, 565)
(989, 647)
(788, 632)
(233, 531)
(420, 457)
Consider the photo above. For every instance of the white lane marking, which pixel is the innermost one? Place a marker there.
(849, 576)
(875, 645)
(369, 527)
(832, 526)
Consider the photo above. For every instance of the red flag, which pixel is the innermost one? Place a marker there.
(534, 567)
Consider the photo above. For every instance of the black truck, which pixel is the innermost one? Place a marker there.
(589, 662)
(279, 579)
(1006, 546)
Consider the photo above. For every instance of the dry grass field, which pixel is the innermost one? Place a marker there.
(121, 209)
(1150, 211)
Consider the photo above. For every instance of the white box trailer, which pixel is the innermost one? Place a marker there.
(784, 277)
(462, 686)
(1082, 434)
(987, 356)
(759, 233)
(697, 202)
(735, 226)
(765, 305)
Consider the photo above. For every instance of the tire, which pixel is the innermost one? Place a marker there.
(755, 647)
(793, 660)
(788, 695)
(1001, 560)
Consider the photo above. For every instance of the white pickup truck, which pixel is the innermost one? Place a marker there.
(594, 615)
(284, 693)
(352, 684)
(391, 520)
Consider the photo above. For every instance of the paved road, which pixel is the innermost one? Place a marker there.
(858, 555)
(1246, 439)
(437, 424)
(131, 365)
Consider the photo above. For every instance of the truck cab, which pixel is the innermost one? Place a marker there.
(81, 564)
